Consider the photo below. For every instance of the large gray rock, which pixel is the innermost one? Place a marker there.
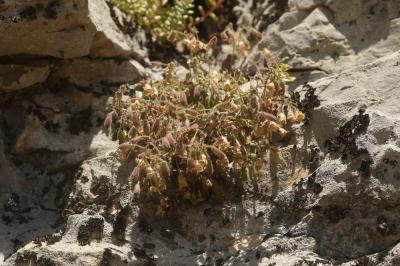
(318, 37)
(259, 14)
(346, 211)
(355, 213)
(61, 29)
(65, 198)
(335, 204)
(83, 71)
(84, 42)
(44, 136)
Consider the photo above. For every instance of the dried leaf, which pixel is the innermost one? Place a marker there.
(135, 175)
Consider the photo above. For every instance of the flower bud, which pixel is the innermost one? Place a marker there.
(135, 175)
(266, 53)
(267, 116)
(136, 190)
(165, 171)
(165, 143)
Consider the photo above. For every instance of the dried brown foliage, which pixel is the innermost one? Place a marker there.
(184, 135)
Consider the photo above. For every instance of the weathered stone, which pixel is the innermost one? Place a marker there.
(360, 186)
(318, 37)
(336, 203)
(62, 29)
(84, 71)
(345, 210)
(14, 77)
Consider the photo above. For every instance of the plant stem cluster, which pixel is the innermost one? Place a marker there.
(187, 136)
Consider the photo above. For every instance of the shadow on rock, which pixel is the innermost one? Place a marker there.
(46, 132)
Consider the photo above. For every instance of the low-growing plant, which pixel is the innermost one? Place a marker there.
(187, 135)
(167, 19)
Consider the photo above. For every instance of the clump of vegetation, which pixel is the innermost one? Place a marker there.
(167, 19)
(187, 135)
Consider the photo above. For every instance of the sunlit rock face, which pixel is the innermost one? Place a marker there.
(65, 198)
(319, 37)
(41, 39)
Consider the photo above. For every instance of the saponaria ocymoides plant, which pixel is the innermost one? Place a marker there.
(187, 135)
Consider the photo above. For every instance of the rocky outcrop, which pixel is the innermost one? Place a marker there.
(59, 63)
(65, 198)
(318, 37)
(83, 71)
(45, 134)
(334, 204)
(62, 29)
(66, 34)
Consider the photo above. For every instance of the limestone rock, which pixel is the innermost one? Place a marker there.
(66, 199)
(61, 29)
(360, 175)
(83, 41)
(341, 210)
(83, 71)
(259, 14)
(317, 37)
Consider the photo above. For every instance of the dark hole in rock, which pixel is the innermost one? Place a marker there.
(365, 168)
(50, 12)
(119, 226)
(102, 188)
(345, 142)
(26, 258)
(311, 184)
(91, 230)
(219, 261)
(28, 13)
(384, 228)
(201, 238)
(141, 253)
(81, 122)
(145, 227)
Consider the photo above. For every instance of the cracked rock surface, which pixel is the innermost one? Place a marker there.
(65, 198)
(57, 38)
(320, 37)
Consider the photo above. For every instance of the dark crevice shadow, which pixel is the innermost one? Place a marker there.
(273, 172)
